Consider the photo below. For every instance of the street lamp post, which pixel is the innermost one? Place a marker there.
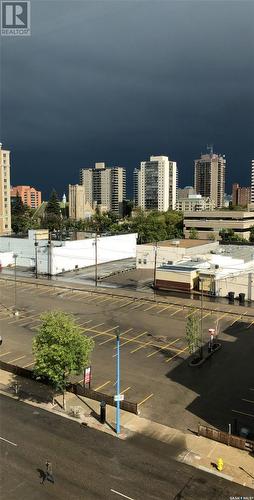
(201, 319)
(155, 265)
(15, 282)
(118, 403)
(36, 259)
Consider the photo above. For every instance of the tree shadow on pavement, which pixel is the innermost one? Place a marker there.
(224, 384)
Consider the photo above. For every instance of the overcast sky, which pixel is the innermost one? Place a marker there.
(118, 81)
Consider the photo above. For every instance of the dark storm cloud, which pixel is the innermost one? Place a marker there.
(118, 81)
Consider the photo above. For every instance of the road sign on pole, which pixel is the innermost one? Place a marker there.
(118, 384)
(119, 397)
(88, 375)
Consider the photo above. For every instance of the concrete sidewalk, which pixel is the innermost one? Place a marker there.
(194, 450)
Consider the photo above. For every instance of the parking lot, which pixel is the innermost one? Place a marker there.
(154, 367)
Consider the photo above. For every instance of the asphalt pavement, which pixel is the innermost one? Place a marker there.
(90, 465)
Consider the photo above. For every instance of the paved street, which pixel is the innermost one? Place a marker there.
(154, 368)
(92, 465)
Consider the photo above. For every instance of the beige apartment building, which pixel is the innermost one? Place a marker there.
(209, 177)
(105, 187)
(79, 208)
(194, 203)
(5, 201)
(209, 224)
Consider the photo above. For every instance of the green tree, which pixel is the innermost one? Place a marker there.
(52, 215)
(193, 332)
(251, 234)
(53, 205)
(193, 234)
(60, 349)
(18, 207)
(20, 216)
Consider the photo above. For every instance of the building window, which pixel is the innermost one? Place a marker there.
(144, 261)
(139, 261)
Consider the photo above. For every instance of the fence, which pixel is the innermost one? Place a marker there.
(226, 438)
(74, 388)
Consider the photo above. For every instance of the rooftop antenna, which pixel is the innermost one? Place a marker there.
(209, 148)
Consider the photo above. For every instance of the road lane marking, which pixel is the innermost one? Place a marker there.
(102, 385)
(146, 399)
(243, 413)
(164, 308)
(106, 332)
(126, 303)
(177, 354)
(30, 364)
(125, 390)
(7, 441)
(16, 359)
(248, 400)
(142, 346)
(225, 314)
(177, 311)
(252, 323)
(131, 340)
(162, 348)
(5, 354)
(150, 307)
(113, 336)
(121, 494)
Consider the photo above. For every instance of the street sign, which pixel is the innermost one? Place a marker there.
(87, 375)
(119, 397)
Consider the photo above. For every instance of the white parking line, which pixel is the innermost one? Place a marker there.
(9, 442)
(16, 359)
(121, 494)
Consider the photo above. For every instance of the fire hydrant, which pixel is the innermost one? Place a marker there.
(220, 464)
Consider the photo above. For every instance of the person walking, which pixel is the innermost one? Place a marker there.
(48, 475)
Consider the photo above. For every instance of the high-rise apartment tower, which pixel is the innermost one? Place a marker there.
(5, 201)
(209, 177)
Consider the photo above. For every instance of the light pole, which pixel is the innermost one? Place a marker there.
(201, 319)
(96, 258)
(155, 264)
(118, 402)
(36, 259)
(15, 282)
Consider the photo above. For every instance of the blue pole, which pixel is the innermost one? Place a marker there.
(118, 383)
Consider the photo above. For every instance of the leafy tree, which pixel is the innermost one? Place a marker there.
(212, 237)
(53, 206)
(60, 349)
(20, 216)
(193, 332)
(18, 207)
(251, 234)
(193, 233)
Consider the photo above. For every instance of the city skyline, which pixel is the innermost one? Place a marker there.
(81, 99)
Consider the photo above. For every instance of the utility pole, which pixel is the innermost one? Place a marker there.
(36, 257)
(96, 258)
(15, 282)
(118, 403)
(201, 319)
(49, 256)
(155, 265)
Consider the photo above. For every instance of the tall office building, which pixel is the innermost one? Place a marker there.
(252, 181)
(155, 184)
(5, 201)
(209, 177)
(105, 187)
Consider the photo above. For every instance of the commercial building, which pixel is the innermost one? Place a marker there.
(79, 208)
(5, 203)
(252, 181)
(209, 224)
(194, 203)
(60, 256)
(171, 251)
(105, 187)
(135, 186)
(227, 269)
(155, 184)
(185, 192)
(29, 195)
(209, 177)
(241, 195)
